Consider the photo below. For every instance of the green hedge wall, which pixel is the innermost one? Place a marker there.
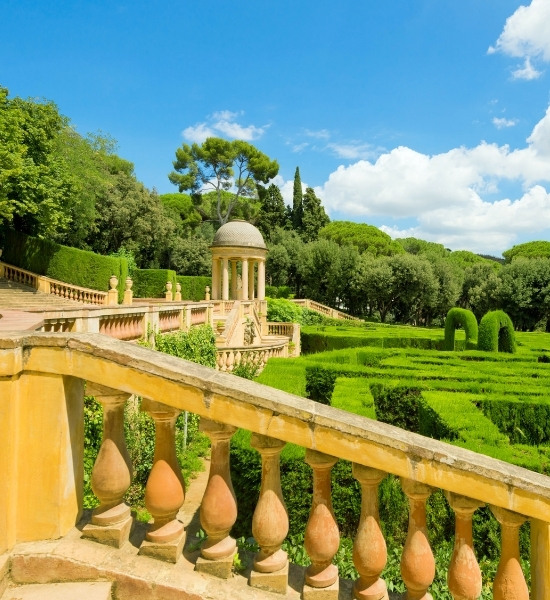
(496, 333)
(69, 265)
(460, 317)
(192, 287)
(151, 283)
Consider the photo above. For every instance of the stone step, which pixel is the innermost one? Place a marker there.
(17, 296)
(89, 590)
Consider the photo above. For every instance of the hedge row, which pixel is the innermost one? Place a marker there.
(460, 317)
(151, 283)
(496, 333)
(193, 287)
(69, 265)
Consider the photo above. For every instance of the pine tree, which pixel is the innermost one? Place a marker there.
(314, 216)
(297, 203)
(272, 212)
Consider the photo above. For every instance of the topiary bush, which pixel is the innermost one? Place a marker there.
(320, 384)
(460, 317)
(151, 283)
(193, 286)
(496, 333)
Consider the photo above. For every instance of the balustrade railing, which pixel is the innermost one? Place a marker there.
(169, 320)
(229, 358)
(323, 309)
(54, 368)
(123, 326)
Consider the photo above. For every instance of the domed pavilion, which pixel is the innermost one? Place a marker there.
(238, 242)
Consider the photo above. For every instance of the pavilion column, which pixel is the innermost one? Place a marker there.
(244, 290)
(215, 278)
(261, 279)
(251, 294)
(233, 279)
(225, 279)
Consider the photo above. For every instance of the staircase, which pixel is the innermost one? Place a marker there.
(95, 590)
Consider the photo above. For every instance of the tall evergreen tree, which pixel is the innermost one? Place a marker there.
(272, 212)
(297, 203)
(314, 216)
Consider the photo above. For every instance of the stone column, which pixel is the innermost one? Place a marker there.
(128, 294)
(233, 279)
(464, 576)
(244, 279)
(225, 279)
(369, 547)
(251, 294)
(270, 520)
(261, 279)
(540, 559)
(509, 581)
(112, 472)
(417, 561)
(165, 489)
(218, 510)
(215, 278)
(322, 537)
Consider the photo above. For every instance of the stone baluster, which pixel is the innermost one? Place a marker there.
(218, 511)
(322, 537)
(369, 546)
(270, 520)
(509, 581)
(112, 472)
(464, 576)
(417, 561)
(165, 489)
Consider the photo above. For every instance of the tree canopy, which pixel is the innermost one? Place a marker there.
(220, 165)
(536, 249)
(366, 238)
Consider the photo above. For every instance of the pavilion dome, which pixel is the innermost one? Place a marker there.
(240, 234)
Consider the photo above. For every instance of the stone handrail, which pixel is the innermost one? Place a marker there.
(42, 385)
(323, 309)
(229, 358)
(52, 286)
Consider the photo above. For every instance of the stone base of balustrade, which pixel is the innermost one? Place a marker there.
(271, 582)
(220, 567)
(115, 535)
(328, 593)
(170, 551)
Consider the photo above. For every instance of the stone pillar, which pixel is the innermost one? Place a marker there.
(165, 489)
(540, 560)
(251, 294)
(225, 279)
(369, 547)
(322, 537)
(112, 294)
(215, 278)
(233, 279)
(261, 279)
(270, 520)
(128, 294)
(509, 581)
(168, 295)
(417, 561)
(218, 510)
(112, 472)
(464, 576)
(244, 277)
(177, 296)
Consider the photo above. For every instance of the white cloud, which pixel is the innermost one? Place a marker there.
(527, 32)
(501, 123)
(351, 151)
(527, 72)
(223, 123)
(321, 134)
(447, 193)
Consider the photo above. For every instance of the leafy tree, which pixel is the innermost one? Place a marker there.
(297, 204)
(366, 238)
(449, 285)
(314, 217)
(284, 264)
(416, 246)
(35, 184)
(273, 211)
(191, 256)
(180, 208)
(536, 249)
(465, 258)
(221, 165)
(480, 289)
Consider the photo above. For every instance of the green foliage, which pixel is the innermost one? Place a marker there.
(247, 368)
(220, 164)
(460, 317)
(193, 287)
(281, 310)
(366, 238)
(297, 202)
(273, 212)
(282, 291)
(93, 431)
(198, 345)
(314, 217)
(151, 283)
(320, 384)
(535, 249)
(69, 265)
(496, 333)
(415, 246)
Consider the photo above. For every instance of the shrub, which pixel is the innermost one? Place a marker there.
(496, 333)
(193, 286)
(151, 283)
(457, 317)
(198, 344)
(283, 311)
(320, 384)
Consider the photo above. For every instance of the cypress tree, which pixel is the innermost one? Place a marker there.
(297, 203)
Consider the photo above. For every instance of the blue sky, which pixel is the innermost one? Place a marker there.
(423, 117)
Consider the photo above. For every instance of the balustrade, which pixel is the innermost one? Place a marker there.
(281, 418)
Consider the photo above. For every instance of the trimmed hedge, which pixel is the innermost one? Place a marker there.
(496, 333)
(192, 286)
(151, 283)
(69, 265)
(457, 317)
